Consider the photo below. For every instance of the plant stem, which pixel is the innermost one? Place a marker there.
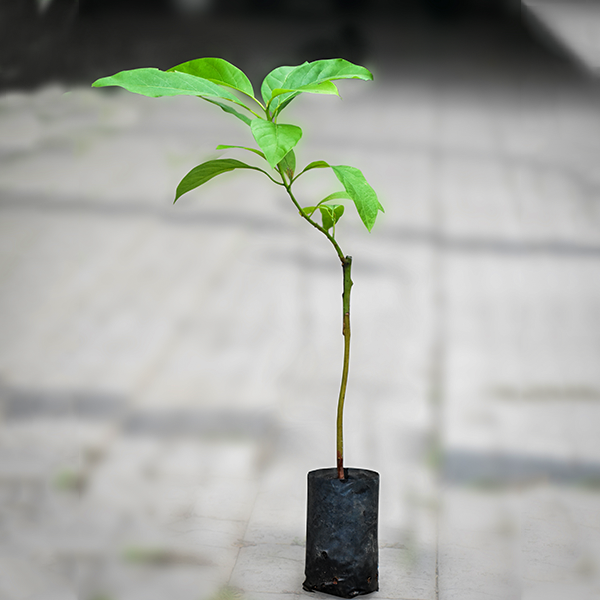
(288, 187)
(346, 268)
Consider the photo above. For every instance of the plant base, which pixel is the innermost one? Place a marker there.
(341, 533)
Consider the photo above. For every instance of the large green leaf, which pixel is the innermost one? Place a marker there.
(274, 80)
(155, 83)
(206, 171)
(274, 139)
(362, 194)
(313, 77)
(218, 71)
(319, 71)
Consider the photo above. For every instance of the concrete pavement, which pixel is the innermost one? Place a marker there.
(169, 374)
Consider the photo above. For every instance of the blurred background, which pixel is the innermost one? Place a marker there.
(168, 374)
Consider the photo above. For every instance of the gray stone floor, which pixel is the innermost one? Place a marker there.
(574, 25)
(168, 374)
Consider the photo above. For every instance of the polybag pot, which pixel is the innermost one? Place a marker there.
(341, 532)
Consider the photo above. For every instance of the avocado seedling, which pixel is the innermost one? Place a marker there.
(222, 84)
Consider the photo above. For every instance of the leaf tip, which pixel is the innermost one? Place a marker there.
(178, 193)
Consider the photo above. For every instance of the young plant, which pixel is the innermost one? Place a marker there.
(221, 83)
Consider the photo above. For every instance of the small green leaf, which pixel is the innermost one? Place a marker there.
(336, 196)
(218, 71)
(156, 83)
(338, 211)
(326, 217)
(317, 164)
(308, 210)
(331, 214)
(288, 164)
(275, 139)
(206, 171)
(282, 103)
(361, 193)
(230, 110)
(227, 147)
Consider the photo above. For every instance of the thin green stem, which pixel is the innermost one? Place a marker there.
(338, 250)
(242, 105)
(255, 100)
(270, 113)
(271, 178)
(346, 267)
(247, 108)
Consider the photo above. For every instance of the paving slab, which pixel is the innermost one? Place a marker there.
(168, 375)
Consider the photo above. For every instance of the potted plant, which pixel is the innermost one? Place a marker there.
(341, 542)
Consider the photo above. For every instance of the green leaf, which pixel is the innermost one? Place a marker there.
(331, 214)
(282, 103)
(319, 71)
(230, 110)
(206, 171)
(361, 193)
(274, 80)
(156, 83)
(227, 147)
(308, 210)
(313, 77)
(218, 71)
(288, 164)
(336, 196)
(317, 164)
(327, 87)
(275, 139)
